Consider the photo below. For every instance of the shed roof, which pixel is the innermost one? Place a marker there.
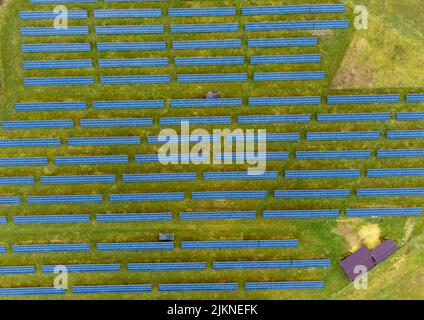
(383, 251)
(361, 257)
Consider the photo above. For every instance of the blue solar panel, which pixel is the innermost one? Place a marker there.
(51, 15)
(278, 118)
(293, 9)
(122, 122)
(3, 249)
(297, 25)
(135, 246)
(340, 154)
(136, 197)
(166, 266)
(76, 268)
(129, 104)
(400, 153)
(269, 137)
(133, 63)
(50, 106)
(300, 214)
(8, 200)
(405, 134)
(17, 269)
(338, 136)
(36, 248)
(91, 179)
(173, 158)
(240, 175)
(127, 13)
(212, 77)
(31, 291)
(206, 44)
(201, 12)
(70, 218)
(204, 28)
(284, 285)
(16, 143)
(277, 59)
(383, 212)
(245, 156)
(127, 288)
(223, 195)
(399, 172)
(52, 199)
(281, 42)
(410, 116)
(284, 101)
(139, 29)
(133, 217)
(58, 81)
(322, 174)
(52, 31)
(352, 117)
(103, 141)
(198, 287)
(372, 98)
(90, 160)
(201, 103)
(168, 121)
(415, 97)
(38, 124)
(287, 76)
(56, 47)
(209, 61)
(271, 264)
(316, 193)
(147, 79)
(390, 192)
(150, 177)
(16, 181)
(3, 220)
(239, 244)
(132, 46)
(56, 64)
(223, 215)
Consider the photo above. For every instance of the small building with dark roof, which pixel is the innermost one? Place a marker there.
(383, 251)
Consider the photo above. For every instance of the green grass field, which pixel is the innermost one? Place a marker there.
(318, 238)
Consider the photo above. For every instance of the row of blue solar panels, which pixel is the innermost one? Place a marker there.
(281, 42)
(138, 29)
(209, 61)
(279, 118)
(167, 266)
(293, 9)
(372, 98)
(287, 76)
(390, 192)
(57, 64)
(297, 25)
(198, 287)
(52, 31)
(31, 291)
(202, 103)
(300, 214)
(269, 137)
(212, 77)
(336, 136)
(322, 174)
(295, 58)
(239, 244)
(150, 177)
(180, 139)
(173, 158)
(127, 288)
(271, 264)
(176, 121)
(201, 12)
(127, 13)
(58, 81)
(56, 47)
(146, 79)
(132, 46)
(410, 116)
(276, 101)
(133, 217)
(51, 15)
(353, 117)
(140, 197)
(16, 181)
(128, 122)
(17, 269)
(246, 156)
(36, 142)
(223, 215)
(340, 154)
(284, 285)
(127, 63)
(44, 219)
(36, 248)
(418, 97)
(103, 141)
(207, 44)
(50, 106)
(38, 124)
(129, 104)
(240, 175)
(405, 134)
(399, 172)
(383, 212)
(3, 220)
(8, 200)
(135, 246)
(400, 153)
(97, 178)
(75, 268)
(224, 195)
(313, 193)
(204, 28)
(52, 199)
(81, 160)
